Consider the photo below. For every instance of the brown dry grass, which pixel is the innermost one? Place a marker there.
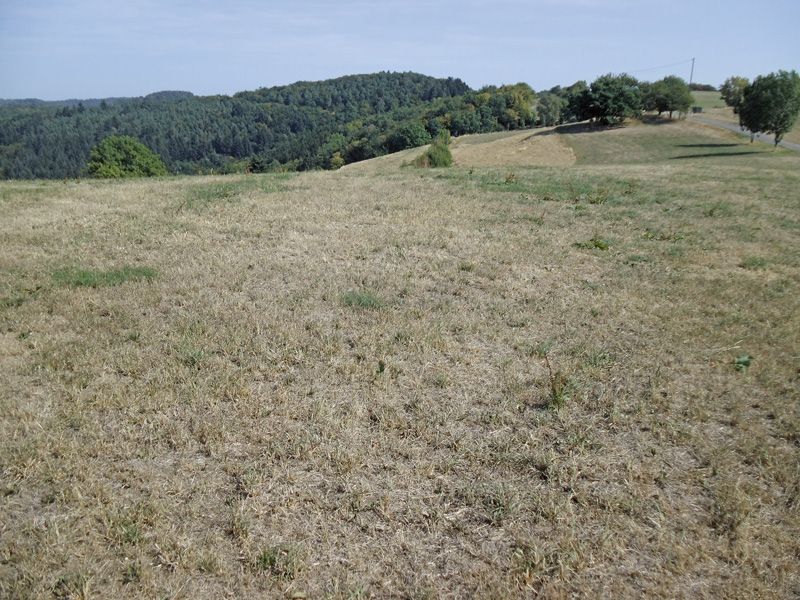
(424, 384)
(520, 148)
(506, 149)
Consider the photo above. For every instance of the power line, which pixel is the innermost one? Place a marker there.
(683, 62)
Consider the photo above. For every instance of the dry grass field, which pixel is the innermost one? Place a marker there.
(509, 381)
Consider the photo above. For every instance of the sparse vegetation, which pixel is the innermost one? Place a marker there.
(406, 383)
(77, 277)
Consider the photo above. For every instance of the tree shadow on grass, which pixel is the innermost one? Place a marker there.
(707, 145)
(715, 155)
(584, 127)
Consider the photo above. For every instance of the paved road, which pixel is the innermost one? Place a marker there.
(737, 129)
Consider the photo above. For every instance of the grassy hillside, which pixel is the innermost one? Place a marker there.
(486, 381)
(708, 100)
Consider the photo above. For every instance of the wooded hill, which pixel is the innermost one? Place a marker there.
(303, 126)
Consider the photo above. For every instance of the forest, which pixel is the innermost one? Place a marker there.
(302, 126)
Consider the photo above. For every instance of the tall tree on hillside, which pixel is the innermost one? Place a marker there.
(609, 100)
(771, 104)
(550, 107)
(668, 95)
(732, 91)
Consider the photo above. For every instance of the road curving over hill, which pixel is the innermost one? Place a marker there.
(738, 129)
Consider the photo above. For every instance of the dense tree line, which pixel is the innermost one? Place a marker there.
(307, 125)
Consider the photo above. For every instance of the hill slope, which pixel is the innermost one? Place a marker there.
(652, 142)
(510, 381)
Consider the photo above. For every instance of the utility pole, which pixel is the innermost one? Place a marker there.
(691, 76)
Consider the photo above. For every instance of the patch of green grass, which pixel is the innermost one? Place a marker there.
(596, 357)
(77, 277)
(538, 349)
(12, 301)
(231, 190)
(596, 242)
(282, 561)
(754, 263)
(708, 100)
(132, 573)
(362, 299)
(635, 259)
(719, 209)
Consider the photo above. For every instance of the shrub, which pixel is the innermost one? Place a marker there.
(438, 155)
(117, 157)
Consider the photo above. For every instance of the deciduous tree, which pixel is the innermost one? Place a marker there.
(117, 157)
(668, 95)
(732, 91)
(609, 100)
(771, 104)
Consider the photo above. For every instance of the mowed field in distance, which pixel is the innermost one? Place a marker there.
(574, 379)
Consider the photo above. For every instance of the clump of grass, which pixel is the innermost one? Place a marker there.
(731, 508)
(720, 208)
(753, 262)
(596, 357)
(281, 561)
(559, 386)
(596, 242)
(132, 573)
(75, 585)
(362, 299)
(538, 349)
(76, 277)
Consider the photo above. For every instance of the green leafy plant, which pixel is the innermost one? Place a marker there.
(595, 242)
(559, 386)
(437, 156)
(118, 157)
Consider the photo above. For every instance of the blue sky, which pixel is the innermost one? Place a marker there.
(59, 49)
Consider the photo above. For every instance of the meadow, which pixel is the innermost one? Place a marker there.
(490, 381)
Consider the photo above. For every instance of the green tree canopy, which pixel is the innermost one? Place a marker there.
(408, 135)
(771, 104)
(609, 100)
(550, 107)
(668, 95)
(732, 91)
(117, 157)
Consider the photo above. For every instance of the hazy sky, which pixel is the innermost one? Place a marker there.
(59, 49)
